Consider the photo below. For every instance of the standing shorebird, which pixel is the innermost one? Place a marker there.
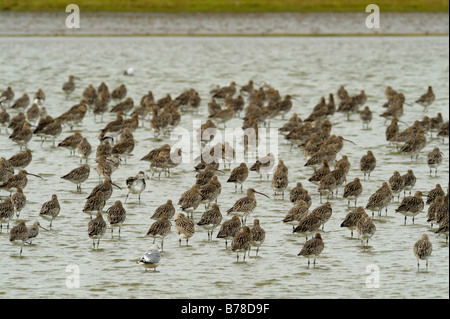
(22, 102)
(353, 190)
(33, 232)
(229, 229)
(258, 236)
(443, 131)
(119, 93)
(84, 149)
(308, 225)
(324, 211)
(69, 86)
(190, 200)
(320, 173)
(242, 242)
(96, 229)
(440, 210)
(366, 229)
(238, 175)
(422, 250)
(19, 235)
(116, 216)
(4, 118)
(136, 185)
(52, 131)
(6, 212)
(312, 248)
(434, 159)
(7, 96)
(104, 168)
(380, 199)
(392, 131)
(366, 117)
(6, 170)
(50, 209)
(410, 181)
(166, 209)
(78, 175)
(352, 218)
(184, 228)
(159, 164)
(367, 164)
(411, 206)
(280, 181)
(434, 193)
(160, 229)
(21, 160)
(264, 165)
(296, 213)
(210, 220)
(245, 205)
(71, 142)
(426, 99)
(22, 135)
(221, 92)
(443, 229)
(414, 144)
(19, 201)
(95, 203)
(296, 192)
(436, 207)
(105, 187)
(19, 180)
(397, 184)
(211, 191)
(327, 185)
(151, 258)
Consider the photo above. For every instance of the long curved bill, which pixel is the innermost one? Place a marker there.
(349, 141)
(262, 194)
(34, 175)
(116, 186)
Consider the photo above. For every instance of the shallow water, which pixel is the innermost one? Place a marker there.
(307, 68)
(223, 23)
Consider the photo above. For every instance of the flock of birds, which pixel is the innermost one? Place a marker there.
(313, 135)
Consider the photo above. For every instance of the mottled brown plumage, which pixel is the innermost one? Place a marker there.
(367, 164)
(353, 190)
(312, 248)
(19, 235)
(116, 215)
(96, 229)
(78, 175)
(411, 206)
(50, 209)
(422, 250)
(242, 242)
(352, 218)
(184, 227)
(160, 229)
(210, 219)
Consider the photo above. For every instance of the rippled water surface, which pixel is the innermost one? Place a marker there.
(306, 68)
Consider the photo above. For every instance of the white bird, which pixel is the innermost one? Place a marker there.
(129, 71)
(151, 258)
(136, 185)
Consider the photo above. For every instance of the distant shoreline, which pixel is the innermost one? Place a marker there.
(226, 6)
(27, 23)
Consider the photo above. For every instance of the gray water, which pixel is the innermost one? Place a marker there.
(306, 68)
(222, 23)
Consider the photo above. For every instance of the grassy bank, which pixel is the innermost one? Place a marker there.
(226, 5)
